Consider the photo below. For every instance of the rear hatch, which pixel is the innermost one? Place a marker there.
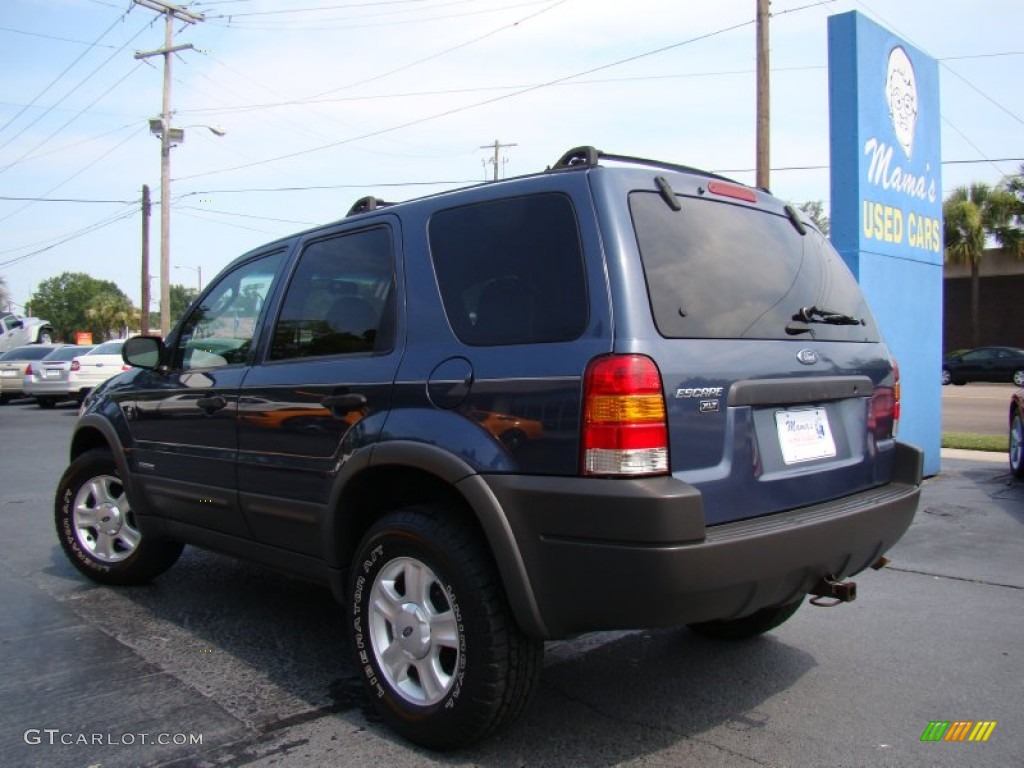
(779, 391)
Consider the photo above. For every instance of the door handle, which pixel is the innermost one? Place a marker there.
(342, 404)
(211, 404)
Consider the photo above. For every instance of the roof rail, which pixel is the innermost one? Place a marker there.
(580, 158)
(366, 204)
(577, 158)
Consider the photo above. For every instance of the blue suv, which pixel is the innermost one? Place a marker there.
(617, 394)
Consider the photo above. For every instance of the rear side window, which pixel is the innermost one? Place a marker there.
(511, 271)
(341, 298)
(725, 271)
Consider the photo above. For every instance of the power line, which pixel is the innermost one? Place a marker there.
(465, 108)
(54, 82)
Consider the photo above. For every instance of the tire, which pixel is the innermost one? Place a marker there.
(1017, 444)
(5, 399)
(443, 661)
(96, 527)
(947, 378)
(45, 336)
(45, 403)
(1018, 378)
(747, 627)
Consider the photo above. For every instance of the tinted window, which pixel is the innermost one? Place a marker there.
(28, 353)
(511, 271)
(220, 330)
(339, 300)
(66, 353)
(718, 270)
(109, 348)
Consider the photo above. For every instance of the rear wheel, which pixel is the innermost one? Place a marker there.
(1017, 444)
(1018, 378)
(97, 528)
(746, 627)
(439, 651)
(46, 402)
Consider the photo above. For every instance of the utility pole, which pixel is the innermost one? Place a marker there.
(144, 319)
(762, 95)
(171, 14)
(497, 146)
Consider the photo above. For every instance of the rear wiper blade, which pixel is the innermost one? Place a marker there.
(813, 314)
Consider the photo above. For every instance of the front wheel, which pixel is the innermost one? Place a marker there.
(1017, 444)
(947, 377)
(97, 529)
(439, 651)
(746, 627)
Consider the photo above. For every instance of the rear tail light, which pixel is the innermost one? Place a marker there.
(624, 425)
(28, 369)
(884, 412)
(75, 365)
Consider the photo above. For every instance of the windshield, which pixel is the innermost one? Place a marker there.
(720, 270)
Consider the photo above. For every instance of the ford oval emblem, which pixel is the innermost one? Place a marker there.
(807, 356)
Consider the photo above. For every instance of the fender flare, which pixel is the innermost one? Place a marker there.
(480, 500)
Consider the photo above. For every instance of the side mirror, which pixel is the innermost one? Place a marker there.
(144, 352)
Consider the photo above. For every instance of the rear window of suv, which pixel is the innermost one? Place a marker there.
(726, 271)
(511, 271)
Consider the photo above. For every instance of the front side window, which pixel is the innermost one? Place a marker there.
(220, 330)
(511, 271)
(340, 299)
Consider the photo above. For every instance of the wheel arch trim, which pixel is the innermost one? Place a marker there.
(480, 501)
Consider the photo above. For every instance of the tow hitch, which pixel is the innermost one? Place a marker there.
(829, 592)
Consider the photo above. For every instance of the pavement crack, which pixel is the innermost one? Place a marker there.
(644, 725)
(954, 578)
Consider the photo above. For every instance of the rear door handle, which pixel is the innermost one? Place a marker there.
(211, 404)
(342, 404)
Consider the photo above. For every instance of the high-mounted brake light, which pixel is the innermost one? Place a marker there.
(624, 426)
(725, 189)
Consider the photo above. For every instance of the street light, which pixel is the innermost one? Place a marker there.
(197, 270)
(169, 137)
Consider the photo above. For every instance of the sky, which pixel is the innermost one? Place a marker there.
(322, 102)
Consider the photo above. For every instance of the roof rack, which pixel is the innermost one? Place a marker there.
(367, 204)
(582, 158)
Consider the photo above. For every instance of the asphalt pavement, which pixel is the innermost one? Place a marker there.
(219, 663)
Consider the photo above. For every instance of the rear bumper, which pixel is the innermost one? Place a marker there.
(622, 554)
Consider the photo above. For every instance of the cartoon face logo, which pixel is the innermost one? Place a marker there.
(901, 94)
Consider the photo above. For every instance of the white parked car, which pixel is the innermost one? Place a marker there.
(92, 369)
(47, 379)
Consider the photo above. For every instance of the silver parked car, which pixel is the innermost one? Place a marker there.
(47, 379)
(13, 363)
(92, 369)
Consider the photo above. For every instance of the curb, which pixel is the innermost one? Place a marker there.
(993, 457)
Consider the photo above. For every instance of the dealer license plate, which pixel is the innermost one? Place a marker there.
(52, 374)
(804, 435)
(8, 373)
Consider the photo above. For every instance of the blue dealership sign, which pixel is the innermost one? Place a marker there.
(886, 208)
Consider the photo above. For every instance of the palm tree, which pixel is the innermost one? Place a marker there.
(972, 215)
(5, 296)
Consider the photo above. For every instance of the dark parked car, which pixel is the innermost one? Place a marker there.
(1000, 364)
(706, 421)
(1017, 433)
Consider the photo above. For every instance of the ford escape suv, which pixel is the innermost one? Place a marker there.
(616, 394)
